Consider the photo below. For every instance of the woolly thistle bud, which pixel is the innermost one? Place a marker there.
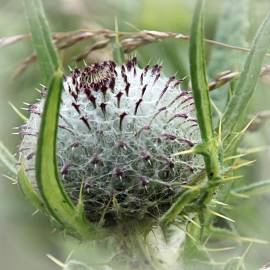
(118, 128)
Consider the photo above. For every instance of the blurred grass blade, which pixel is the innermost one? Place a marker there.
(57, 201)
(6, 41)
(198, 74)
(257, 188)
(118, 54)
(42, 41)
(29, 191)
(237, 106)
(234, 264)
(7, 160)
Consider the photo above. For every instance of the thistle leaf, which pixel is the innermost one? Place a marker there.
(42, 41)
(237, 106)
(57, 201)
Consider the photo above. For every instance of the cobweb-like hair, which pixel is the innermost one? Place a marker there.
(118, 128)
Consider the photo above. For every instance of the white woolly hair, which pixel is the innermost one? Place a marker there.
(118, 129)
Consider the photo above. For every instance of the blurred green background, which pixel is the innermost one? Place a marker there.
(25, 239)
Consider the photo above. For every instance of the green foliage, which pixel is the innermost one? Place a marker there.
(47, 56)
(237, 107)
(232, 29)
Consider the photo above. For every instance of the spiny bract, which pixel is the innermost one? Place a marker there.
(118, 129)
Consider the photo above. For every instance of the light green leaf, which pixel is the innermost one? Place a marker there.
(42, 41)
(50, 185)
(237, 106)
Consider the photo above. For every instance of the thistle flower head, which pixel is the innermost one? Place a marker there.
(118, 128)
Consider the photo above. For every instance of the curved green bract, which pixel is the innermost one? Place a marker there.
(237, 107)
(57, 202)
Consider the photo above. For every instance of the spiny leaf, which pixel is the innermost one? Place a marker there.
(237, 106)
(42, 41)
(57, 201)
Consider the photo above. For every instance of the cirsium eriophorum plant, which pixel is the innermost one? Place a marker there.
(104, 147)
